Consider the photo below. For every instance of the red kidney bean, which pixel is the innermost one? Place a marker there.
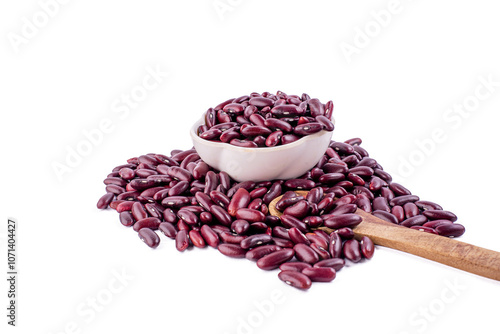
(380, 203)
(367, 247)
(335, 245)
(152, 191)
(426, 205)
(261, 102)
(315, 195)
(126, 218)
(128, 196)
(401, 200)
(255, 240)
(204, 200)
(209, 235)
(232, 250)
(322, 253)
(351, 160)
(256, 204)
(175, 201)
(221, 215)
(398, 212)
(163, 159)
(285, 202)
(386, 216)
(320, 274)
(299, 184)
(258, 252)
(105, 200)
(277, 124)
(345, 220)
(434, 223)
(220, 199)
(231, 238)
(248, 185)
(255, 130)
(305, 253)
(240, 226)
(274, 138)
(280, 232)
(114, 189)
(297, 237)
(187, 216)
(351, 250)
(356, 179)
(307, 128)
(298, 210)
(387, 194)
(364, 204)
(144, 173)
(182, 240)
(138, 211)
(179, 173)
(376, 183)
(286, 110)
(325, 123)
(149, 237)
(196, 239)
(222, 105)
(399, 190)
(275, 259)
(240, 199)
(233, 108)
(168, 229)
(331, 178)
(345, 233)
(424, 229)
(229, 135)
(289, 138)
(211, 182)
(181, 225)
(334, 263)
(294, 266)
(362, 171)
(415, 220)
(343, 209)
(258, 192)
(149, 222)
(274, 191)
(317, 239)
(206, 218)
(410, 210)
(250, 215)
(283, 243)
(440, 214)
(290, 221)
(200, 170)
(295, 279)
(313, 221)
(450, 230)
(115, 180)
(342, 148)
(114, 204)
(169, 215)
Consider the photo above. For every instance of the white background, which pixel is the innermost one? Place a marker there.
(67, 75)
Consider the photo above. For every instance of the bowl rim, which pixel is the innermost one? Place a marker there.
(291, 145)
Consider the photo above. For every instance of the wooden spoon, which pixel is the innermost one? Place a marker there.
(457, 254)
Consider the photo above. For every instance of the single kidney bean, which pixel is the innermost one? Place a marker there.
(313, 221)
(175, 201)
(335, 245)
(240, 199)
(325, 123)
(426, 205)
(280, 232)
(362, 171)
(307, 128)
(178, 188)
(275, 259)
(401, 200)
(299, 184)
(435, 223)
(255, 240)
(187, 216)
(356, 179)
(331, 178)
(105, 200)
(115, 180)
(221, 215)
(261, 102)
(320, 274)
(289, 138)
(295, 279)
(342, 148)
(128, 196)
(204, 200)
(290, 221)
(343, 209)
(240, 226)
(294, 266)
(232, 250)
(298, 210)
(283, 243)
(315, 195)
(304, 253)
(317, 239)
(367, 162)
(149, 237)
(196, 239)
(150, 222)
(364, 204)
(398, 212)
(335, 263)
(277, 124)
(297, 236)
(424, 229)
(211, 182)
(410, 210)
(285, 202)
(440, 214)
(367, 247)
(250, 215)
(376, 183)
(450, 230)
(322, 253)
(399, 189)
(114, 189)
(258, 252)
(231, 238)
(386, 216)
(345, 220)
(387, 194)
(182, 240)
(415, 220)
(335, 167)
(352, 250)
(209, 235)
(168, 229)
(380, 203)
(220, 199)
(138, 211)
(345, 233)
(126, 218)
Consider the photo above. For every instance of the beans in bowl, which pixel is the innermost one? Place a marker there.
(266, 120)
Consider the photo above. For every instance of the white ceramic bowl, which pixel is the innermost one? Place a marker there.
(263, 163)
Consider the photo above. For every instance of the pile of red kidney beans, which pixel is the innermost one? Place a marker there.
(190, 202)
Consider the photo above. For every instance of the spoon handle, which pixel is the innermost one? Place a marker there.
(454, 253)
